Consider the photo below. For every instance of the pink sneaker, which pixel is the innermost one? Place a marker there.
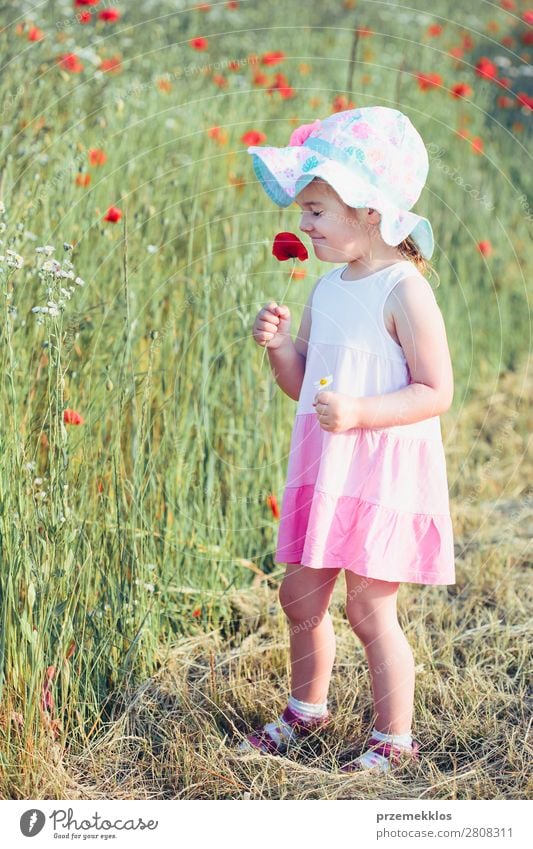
(262, 741)
(396, 755)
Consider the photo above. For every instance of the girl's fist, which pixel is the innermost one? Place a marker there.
(272, 326)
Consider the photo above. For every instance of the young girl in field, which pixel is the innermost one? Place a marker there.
(366, 487)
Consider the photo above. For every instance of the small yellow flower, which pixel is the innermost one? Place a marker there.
(323, 382)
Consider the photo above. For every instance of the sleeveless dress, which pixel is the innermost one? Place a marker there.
(373, 501)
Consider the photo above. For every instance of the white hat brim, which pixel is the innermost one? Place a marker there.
(284, 172)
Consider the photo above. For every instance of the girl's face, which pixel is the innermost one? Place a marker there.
(339, 233)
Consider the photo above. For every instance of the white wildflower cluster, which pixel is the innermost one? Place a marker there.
(52, 273)
(12, 259)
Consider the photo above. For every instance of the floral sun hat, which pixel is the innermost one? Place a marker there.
(373, 157)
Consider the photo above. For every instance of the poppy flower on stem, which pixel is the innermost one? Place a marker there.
(426, 81)
(253, 137)
(484, 248)
(70, 62)
(272, 58)
(35, 34)
(486, 69)
(199, 43)
(273, 504)
(287, 246)
(109, 15)
(72, 417)
(97, 156)
(113, 214)
(461, 90)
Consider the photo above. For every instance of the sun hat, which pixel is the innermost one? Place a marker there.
(372, 156)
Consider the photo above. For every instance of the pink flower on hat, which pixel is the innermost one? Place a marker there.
(360, 130)
(300, 134)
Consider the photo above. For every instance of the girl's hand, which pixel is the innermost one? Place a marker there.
(272, 326)
(336, 412)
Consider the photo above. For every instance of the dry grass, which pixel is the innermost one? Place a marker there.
(173, 736)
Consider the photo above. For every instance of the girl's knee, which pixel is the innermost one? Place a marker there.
(304, 609)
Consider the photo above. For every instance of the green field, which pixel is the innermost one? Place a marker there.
(137, 546)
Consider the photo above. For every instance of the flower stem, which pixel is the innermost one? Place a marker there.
(281, 302)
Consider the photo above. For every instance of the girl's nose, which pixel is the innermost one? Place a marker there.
(305, 224)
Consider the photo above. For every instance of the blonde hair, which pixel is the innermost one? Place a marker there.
(410, 250)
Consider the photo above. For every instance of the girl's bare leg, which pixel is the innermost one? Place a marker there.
(305, 594)
(372, 613)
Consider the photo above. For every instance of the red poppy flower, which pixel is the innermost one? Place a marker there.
(468, 42)
(289, 246)
(285, 91)
(35, 34)
(86, 2)
(199, 43)
(527, 37)
(485, 68)
(218, 134)
(72, 417)
(84, 17)
(508, 41)
(113, 214)
(97, 156)
(232, 4)
(504, 82)
(476, 144)
(484, 248)
(83, 180)
(341, 103)
(220, 81)
(509, 5)
(505, 102)
(273, 504)
(426, 81)
(527, 17)
(259, 78)
(461, 90)
(525, 99)
(111, 64)
(272, 58)
(109, 15)
(70, 62)
(456, 52)
(196, 613)
(434, 30)
(253, 137)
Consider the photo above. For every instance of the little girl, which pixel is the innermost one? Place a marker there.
(366, 487)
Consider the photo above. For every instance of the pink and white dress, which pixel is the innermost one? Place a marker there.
(371, 500)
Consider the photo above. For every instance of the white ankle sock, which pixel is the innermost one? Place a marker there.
(307, 710)
(373, 759)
